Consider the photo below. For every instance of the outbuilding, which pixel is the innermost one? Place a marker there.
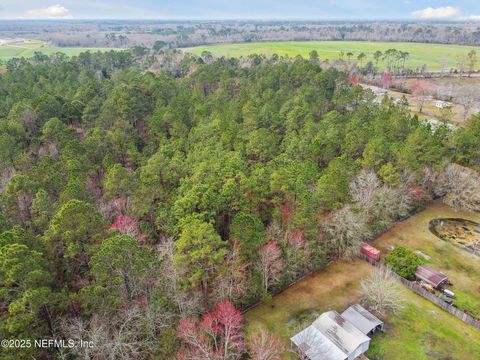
(442, 104)
(363, 320)
(430, 275)
(370, 252)
(331, 337)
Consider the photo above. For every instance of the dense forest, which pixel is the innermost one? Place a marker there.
(142, 211)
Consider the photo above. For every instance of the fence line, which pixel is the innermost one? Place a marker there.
(246, 308)
(300, 277)
(466, 318)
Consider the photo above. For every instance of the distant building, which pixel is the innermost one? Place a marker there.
(442, 104)
(378, 91)
(334, 337)
(430, 275)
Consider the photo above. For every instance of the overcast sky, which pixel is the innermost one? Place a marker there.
(242, 9)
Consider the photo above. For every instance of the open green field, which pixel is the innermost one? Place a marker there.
(421, 331)
(28, 49)
(430, 54)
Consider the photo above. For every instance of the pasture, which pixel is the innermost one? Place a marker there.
(421, 331)
(433, 55)
(28, 48)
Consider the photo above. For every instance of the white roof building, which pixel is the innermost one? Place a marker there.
(442, 104)
(362, 319)
(331, 337)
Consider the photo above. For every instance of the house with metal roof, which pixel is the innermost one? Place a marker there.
(363, 319)
(331, 337)
(430, 275)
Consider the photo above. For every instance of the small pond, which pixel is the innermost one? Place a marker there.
(462, 233)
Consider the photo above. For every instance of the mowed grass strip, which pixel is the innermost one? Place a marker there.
(27, 49)
(433, 55)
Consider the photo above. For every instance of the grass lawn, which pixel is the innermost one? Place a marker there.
(430, 54)
(421, 331)
(462, 268)
(28, 49)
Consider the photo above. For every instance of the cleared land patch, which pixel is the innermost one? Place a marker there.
(433, 55)
(28, 48)
(422, 330)
(440, 87)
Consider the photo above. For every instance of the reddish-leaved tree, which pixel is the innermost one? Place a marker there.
(387, 78)
(353, 80)
(128, 225)
(218, 335)
(270, 263)
(420, 91)
(195, 343)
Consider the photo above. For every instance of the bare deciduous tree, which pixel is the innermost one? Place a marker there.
(187, 303)
(345, 231)
(231, 280)
(130, 334)
(467, 96)
(263, 345)
(380, 204)
(270, 263)
(460, 187)
(363, 189)
(381, 293)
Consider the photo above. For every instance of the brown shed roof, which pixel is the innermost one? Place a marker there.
(431, 276)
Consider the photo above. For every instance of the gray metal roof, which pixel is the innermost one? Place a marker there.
(330, 337)
(317, 346)
(361, 318)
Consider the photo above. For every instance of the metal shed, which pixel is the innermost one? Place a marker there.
(362, 319)
(331, 337)
(431, 276)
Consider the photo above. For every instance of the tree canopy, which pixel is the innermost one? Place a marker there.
(135, 197)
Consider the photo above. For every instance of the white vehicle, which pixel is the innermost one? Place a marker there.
(449, 293)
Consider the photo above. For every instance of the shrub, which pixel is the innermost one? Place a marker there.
(404, 262)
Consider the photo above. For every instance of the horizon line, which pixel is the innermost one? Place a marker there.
(249, 19)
